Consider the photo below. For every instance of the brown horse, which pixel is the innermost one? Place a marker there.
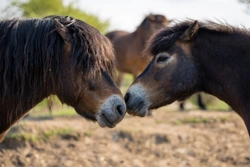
(191, 57)
(61, 56)
(129, 46)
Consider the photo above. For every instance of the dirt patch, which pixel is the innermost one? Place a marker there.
(174, 139)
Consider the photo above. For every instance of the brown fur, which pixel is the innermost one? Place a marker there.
(128, 46)
(55, 55)
(205, 56)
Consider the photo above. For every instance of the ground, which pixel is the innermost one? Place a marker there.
(167, 139)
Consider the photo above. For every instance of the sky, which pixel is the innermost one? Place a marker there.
(128, 14)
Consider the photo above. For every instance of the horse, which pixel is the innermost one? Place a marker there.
(129, 46)
(194, 56)
(60, 56)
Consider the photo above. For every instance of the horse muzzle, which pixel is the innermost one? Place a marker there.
(136, 101)
(111, 112)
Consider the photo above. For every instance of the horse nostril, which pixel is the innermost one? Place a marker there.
(119, 110)
(126, 98)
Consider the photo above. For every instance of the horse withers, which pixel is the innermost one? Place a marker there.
(59, 56)
(191, 57)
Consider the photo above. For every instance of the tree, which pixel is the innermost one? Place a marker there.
(42, 8)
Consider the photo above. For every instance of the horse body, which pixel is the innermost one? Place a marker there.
(129, 60)
(53, 56)
(128, 46)
(192, 57)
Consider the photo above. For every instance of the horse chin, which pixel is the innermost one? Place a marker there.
(158, 104)
(100, 118)
(85, 114)
(88, 116)
(141, 113)
(141, 110)
(104, 121)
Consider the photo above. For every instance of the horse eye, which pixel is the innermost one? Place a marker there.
(162, 59)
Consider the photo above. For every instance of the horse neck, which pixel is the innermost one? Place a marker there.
(224, 62)
(11, 110)
(141, 36)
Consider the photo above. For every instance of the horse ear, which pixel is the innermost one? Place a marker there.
(190, 32)
(151, 17)
(62, 31)
(145, 23)
(147, 20)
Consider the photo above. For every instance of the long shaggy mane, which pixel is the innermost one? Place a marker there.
(31, 54)
(164, 39)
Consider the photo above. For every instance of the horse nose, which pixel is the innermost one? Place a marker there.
(112, 111)
(120, 110)
(127, 96)
(136, 100)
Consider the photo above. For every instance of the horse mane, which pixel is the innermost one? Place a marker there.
(91, 51)
(25, 50)
(100, 52)
(31, 53)
(163, 40)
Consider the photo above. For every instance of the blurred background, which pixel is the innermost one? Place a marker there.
(191, 138)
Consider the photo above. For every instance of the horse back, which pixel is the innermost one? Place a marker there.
(128, 48)
(116, 34)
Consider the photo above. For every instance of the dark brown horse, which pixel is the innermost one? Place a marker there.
(191, 57)
(129, 46)
(61, 56)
